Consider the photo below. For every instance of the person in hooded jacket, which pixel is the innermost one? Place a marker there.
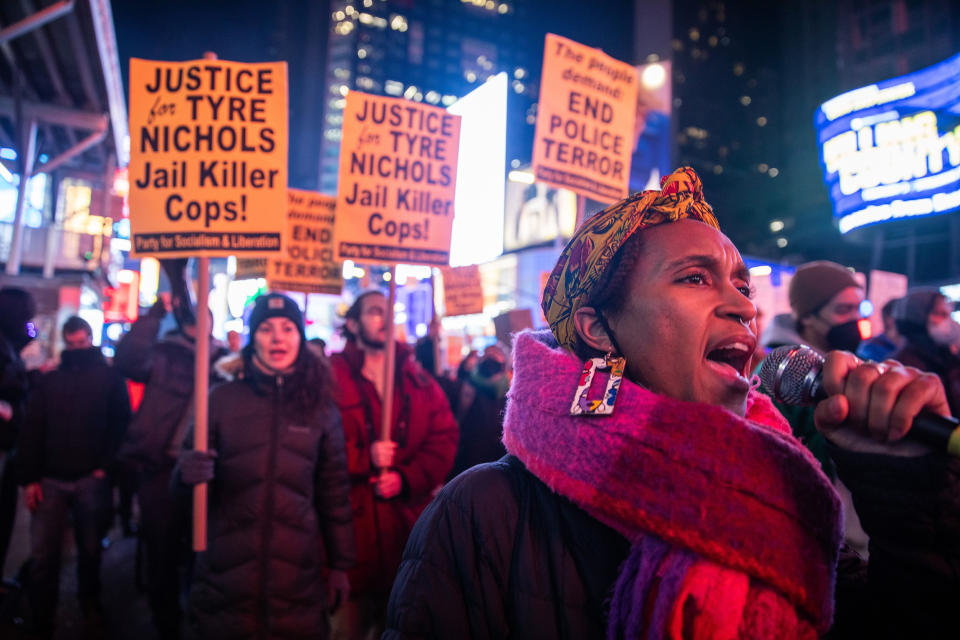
(17, 308)
(280, 514)
(165, 364)
(478, 407)
(77, 415)
(932, 338)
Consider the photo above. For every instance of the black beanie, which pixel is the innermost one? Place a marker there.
(17, 307)
(275, 305)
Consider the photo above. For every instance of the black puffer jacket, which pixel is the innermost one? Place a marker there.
(13, 390)
(921, 352)
(279, 512)
(910, 507)
(166, 366)
(76, 418)
(498, 555)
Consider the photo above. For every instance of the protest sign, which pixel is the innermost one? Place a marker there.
(248, 268)
(884, 287)
(398, 174)
(585, 120)
(208, 157)
(306, 263)
(462, 290)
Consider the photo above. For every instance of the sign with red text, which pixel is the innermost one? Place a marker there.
(462, 290)
(208, 157)
(585, 121)
(307, 263)
(398, 175)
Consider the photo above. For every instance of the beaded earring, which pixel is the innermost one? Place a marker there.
(582, 405)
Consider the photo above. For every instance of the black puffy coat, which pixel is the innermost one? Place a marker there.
(166, 366)
(77, 415)
(910, 507)
(497, 554)
(14, 383)
(279, 512)
(921, 352)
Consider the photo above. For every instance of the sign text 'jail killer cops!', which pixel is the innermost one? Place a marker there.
(208, 157)
(398, 175)
(585, 120)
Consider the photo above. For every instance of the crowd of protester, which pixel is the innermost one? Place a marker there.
(619, 475)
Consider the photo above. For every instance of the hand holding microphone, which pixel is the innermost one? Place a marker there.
(865, 406)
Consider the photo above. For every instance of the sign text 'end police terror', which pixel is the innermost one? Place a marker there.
(588, 143)
(585, 120)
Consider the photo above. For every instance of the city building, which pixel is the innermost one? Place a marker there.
(433, 51)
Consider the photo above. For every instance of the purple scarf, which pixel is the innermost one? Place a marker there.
(733, 525)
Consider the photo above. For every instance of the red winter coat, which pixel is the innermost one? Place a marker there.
(426, 433)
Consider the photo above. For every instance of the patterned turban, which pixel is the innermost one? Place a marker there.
(580, 268)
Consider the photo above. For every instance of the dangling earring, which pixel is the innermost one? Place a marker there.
(604, 406)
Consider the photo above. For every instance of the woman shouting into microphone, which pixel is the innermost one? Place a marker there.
(650, 492)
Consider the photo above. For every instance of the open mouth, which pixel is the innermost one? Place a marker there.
(735, 355)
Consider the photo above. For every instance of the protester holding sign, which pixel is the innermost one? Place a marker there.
(392, 481)
(280, 494)
(165, 365)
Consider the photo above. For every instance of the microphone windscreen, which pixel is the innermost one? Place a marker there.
(786, 373)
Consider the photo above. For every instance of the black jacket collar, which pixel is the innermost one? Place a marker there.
(81, 358)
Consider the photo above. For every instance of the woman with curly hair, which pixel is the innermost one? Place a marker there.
(281, 524)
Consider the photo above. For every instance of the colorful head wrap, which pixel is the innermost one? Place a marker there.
(584, 260)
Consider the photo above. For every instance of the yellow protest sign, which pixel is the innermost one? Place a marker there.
(307, 263)
(208, 157)
(585, 120)
(398, 174)
(248, 268)
(462, 290)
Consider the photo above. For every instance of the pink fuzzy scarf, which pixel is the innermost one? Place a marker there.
(735, 529)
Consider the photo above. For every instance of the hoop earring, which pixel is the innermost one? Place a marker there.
(582, 405)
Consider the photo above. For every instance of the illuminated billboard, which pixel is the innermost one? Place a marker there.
(891, 150)
(651, 143)
(536, 214)
(478, 223)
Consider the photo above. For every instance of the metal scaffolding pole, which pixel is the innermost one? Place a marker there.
(29, 144)
(35, 21)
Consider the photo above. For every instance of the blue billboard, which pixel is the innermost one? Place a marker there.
(891, 150)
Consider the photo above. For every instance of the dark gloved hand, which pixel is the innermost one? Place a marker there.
(195, 466)
(339, 588)
(158, 310)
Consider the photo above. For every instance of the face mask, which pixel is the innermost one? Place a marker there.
(489, 367)
(945, 333)
(845, 337)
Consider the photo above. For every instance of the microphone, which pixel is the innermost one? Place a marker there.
(793, 375)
